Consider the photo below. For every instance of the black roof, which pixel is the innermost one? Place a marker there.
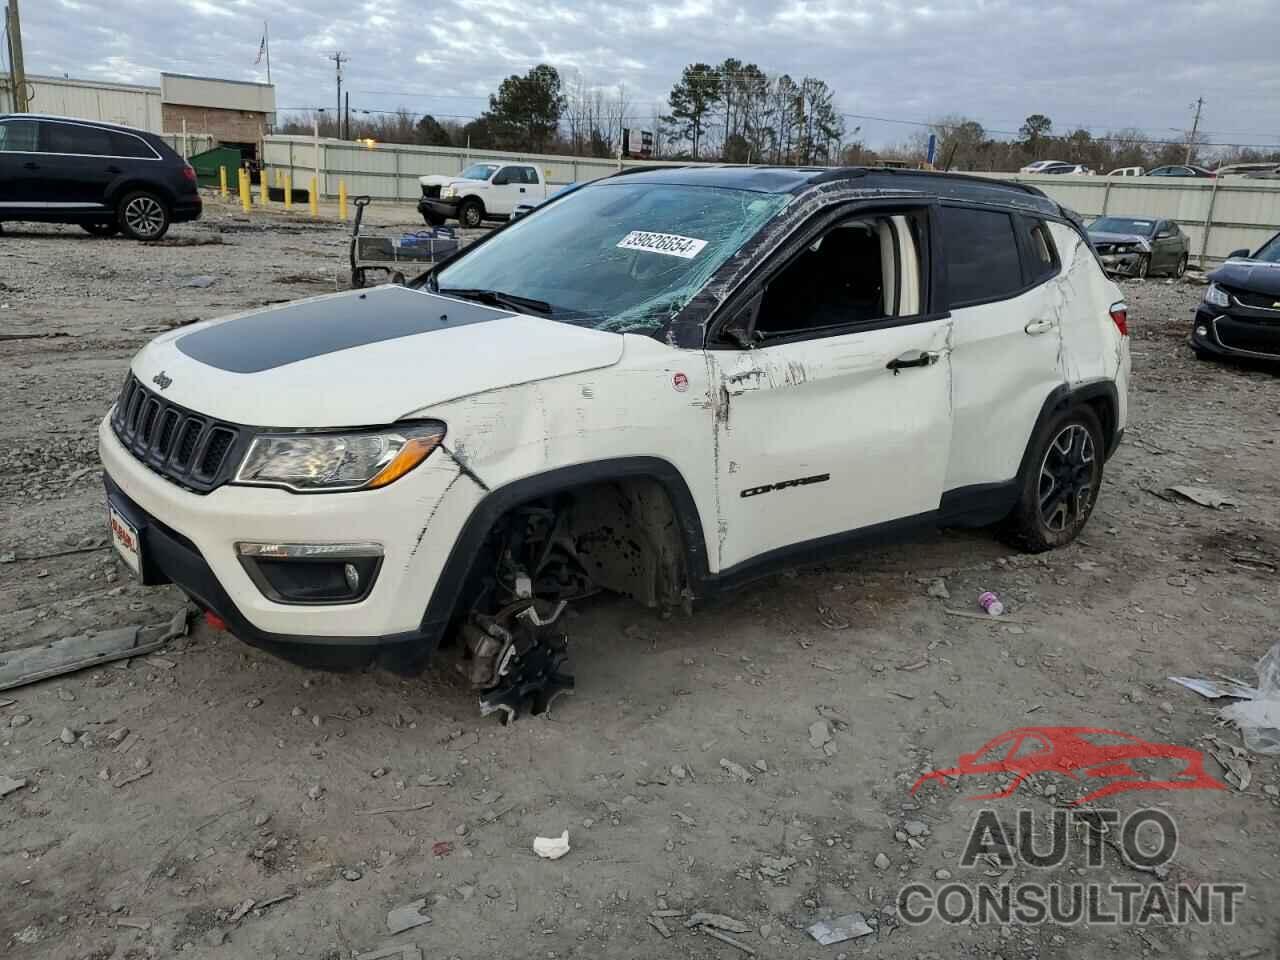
(797, 180)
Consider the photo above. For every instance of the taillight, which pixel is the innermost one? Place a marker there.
(189, 172)
(1120, 317)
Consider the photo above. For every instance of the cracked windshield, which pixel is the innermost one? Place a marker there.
(624, 257)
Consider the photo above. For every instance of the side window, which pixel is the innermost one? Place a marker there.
(18, 136)
(127, 145)
(981, 252)
(530, 176)
(507, 175)
(1038, 250)
(73, 138)
(864, 269)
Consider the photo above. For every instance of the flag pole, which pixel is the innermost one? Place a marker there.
(266, 42)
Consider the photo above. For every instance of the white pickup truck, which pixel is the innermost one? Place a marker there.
(483, 191)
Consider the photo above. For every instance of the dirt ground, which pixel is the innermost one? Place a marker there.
(351, 794)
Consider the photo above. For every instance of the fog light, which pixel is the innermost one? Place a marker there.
(1202, 331)
(353, 577)
(312, 572)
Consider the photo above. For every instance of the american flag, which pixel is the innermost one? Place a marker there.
(262, 48)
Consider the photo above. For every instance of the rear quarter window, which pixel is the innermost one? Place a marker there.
(76, 139)
(981, 250)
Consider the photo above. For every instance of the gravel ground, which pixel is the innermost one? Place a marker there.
(687, 767)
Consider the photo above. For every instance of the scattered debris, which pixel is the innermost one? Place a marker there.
(409, 809)
(406, 951)
(351, 875)
(201, 282)
(134, 923)
(9, 784)
(833, 619)
(442, 848)
(725, 938)
(938, 589)
(125, 781)
(67, 736)
(881, 861)
(737, 769)
(718, 920)
(1213, 689)
(849, 927)
(1204, 496)
(662, 928)
(407, 917)
(242, 908)
(1259, 717)
(991, 603)
(819, 734)
(986, 617)
(551, 848)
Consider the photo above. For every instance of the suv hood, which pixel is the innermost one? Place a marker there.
(1252, 275)
(361, 358)
(439, 180)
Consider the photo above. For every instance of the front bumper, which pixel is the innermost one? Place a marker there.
(190, 539)
(1122, 264)
(1242, 333)
(440, 208)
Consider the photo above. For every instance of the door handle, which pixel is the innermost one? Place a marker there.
(31, 165)
(522, 189)
(915, 358)
(1037, 327)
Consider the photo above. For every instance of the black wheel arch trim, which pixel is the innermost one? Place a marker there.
(467, 545)
(1067, 396)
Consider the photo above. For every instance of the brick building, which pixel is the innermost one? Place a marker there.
(235, 113)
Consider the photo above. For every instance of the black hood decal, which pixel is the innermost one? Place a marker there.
(299, 331)
(1254, 276)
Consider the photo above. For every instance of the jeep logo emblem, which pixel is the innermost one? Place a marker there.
(161, 381)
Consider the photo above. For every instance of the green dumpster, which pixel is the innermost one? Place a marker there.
(207, 163)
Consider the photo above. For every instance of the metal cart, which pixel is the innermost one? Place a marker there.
(394, 255)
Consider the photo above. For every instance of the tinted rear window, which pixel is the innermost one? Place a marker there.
(73, 138)
(982, 255)
(18, 135)
(127, 145)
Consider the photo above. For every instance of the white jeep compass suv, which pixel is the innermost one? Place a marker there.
(661, 384)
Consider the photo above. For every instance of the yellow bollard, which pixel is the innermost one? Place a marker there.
(288, 192)
(263, 198)
(342, 200)
(222, 181)
(244, 189)
(313, 197)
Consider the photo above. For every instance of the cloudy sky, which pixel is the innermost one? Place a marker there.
(1095, 63)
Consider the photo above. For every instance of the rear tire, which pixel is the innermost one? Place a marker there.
(1060, 487)
(1144, 267)
(143, 216)
(100, 229)
(471, 213)
(1181, 268)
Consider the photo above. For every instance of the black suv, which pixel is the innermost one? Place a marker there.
(104, 177)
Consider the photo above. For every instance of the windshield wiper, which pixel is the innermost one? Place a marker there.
(497, 298)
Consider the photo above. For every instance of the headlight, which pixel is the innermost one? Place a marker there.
(449, 192)
(1216, 296)
(325, 462)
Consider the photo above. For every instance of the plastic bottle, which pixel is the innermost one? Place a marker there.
(990, 602)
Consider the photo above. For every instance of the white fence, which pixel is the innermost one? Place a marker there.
(1219, 215)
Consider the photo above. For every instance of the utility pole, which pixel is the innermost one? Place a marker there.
(17, 75)
(338, 59)
(1195, 126)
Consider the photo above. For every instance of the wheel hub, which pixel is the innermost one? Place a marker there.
(1066, 478)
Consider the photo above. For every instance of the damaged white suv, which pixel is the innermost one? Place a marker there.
(661, 384)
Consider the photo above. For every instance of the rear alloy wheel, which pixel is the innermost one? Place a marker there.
(143, 216)
(1058, 492)
(1181, 268)
(101, 229)
(471, 213)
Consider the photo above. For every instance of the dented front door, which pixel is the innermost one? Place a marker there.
(821, 437)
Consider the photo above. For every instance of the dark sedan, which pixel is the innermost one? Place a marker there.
(1240, 314)
(1181, 170)
(1138, 246)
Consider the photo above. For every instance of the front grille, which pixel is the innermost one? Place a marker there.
(1109, 248)
(431, 193)
(192, 450)
(1259, 301)
(1259, 338)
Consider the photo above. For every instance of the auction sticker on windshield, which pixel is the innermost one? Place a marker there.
(669, 244)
